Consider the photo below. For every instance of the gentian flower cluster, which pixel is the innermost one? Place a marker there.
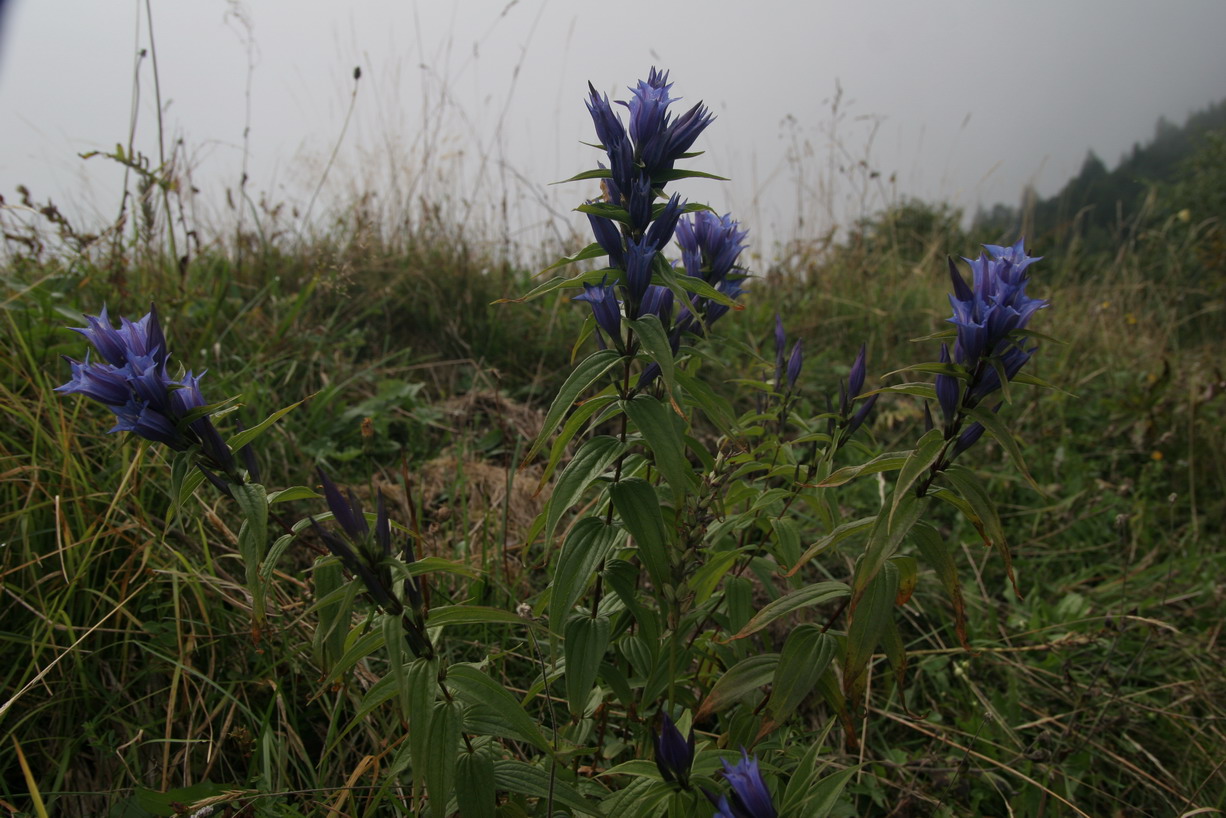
(674, 753)
(750, 796)
(634, 231)
(132, 382)
(367, 555)
(987, 314)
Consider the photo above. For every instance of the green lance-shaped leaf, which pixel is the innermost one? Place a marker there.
(701, 395)
(587, 639)
(594, 457)
(919, 461)
(494, 704)
(244, 437)
(476, 795)
(806, 655)
(253, 541)
(444, 747)
(815, 594)
(889, 461)
(836, 536)
(662, 431)
(584, 375)
(739, 681)
(587, 545)
(935, 551)
(971, 489)
(560, 283)
(884, 540)
(583, 412)
(869, 620)
(651, 334)
(996, 427)
(328, 641)
(358, 646)
(638, 507)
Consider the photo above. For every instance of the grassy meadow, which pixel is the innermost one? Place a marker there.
(132, 683)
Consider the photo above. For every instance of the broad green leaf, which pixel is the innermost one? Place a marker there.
(472, 615)
(583, 412)
(824, 795)
(919, 390)
(583, 376)
(594, 457)
(700, 393)
(806, 654)
(363, 646)
(638, 507)
(444, 747)
(868, 622)
(417, 708)
(739, 681)
(935, 551)
(496, 703)
(907, 577)
(595, 173)
(889, 461)
(587, 639)
(293, 493)
(926, 452)
(560, 283)
(605, 210)
(806, 597)
(677, 173)
(715, 566)
(593, 250)
(516, 776)
(662, 431)
(476, 796)
(587, 545)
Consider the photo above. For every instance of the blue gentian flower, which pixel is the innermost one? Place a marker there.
(605, 307)
(750, 796)
(949, 391)
(997, 304)
(674, 753)
(133, 384)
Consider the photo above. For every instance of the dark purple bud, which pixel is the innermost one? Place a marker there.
(674, 753)
(609, 128)
(855, 380)
(641, 199)
(658, 301)
(341, 509)
(640, 255)
(968, 438)
(949, 391)
(795, 361)
(865, 410)
(609, 237)
(661, 231)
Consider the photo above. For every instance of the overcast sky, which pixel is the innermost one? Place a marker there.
(957, 100)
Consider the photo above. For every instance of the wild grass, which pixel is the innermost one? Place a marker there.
(134, 685)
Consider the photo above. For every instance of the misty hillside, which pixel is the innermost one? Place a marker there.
(1098, 205)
